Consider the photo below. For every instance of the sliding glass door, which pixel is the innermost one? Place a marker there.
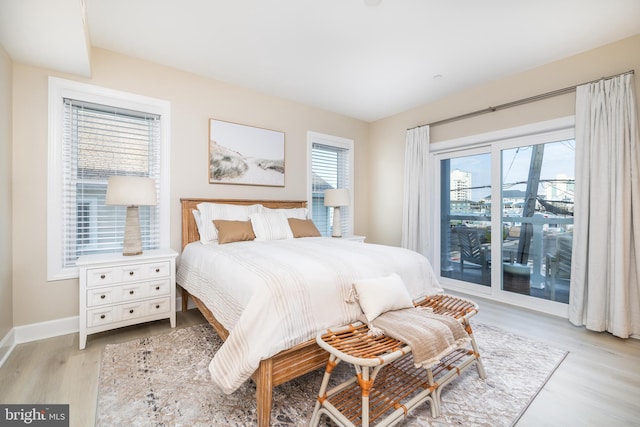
(506, 217)
(537, 206)
(465, 210)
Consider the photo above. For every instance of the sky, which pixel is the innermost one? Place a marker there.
(559, 158)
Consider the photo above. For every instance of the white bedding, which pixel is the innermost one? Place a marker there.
(272, 295)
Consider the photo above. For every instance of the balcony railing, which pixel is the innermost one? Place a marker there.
(528, 242)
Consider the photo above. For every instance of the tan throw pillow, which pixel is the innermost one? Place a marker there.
(233, 231)
(303, 228)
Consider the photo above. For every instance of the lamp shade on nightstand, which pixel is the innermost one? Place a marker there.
(336, 197)
(131, 191)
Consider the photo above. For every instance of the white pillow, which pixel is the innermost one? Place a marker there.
(298, 213)
(271, 226)
(198, 219)
(382, 294)
(211, 211)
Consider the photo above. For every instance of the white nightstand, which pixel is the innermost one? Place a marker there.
(354, 238)
(118, 290)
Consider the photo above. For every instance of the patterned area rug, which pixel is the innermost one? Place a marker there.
(164, 381)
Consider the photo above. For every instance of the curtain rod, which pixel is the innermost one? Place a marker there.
(518, 102)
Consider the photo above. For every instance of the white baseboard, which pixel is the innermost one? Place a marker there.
(7, 344)
(48, 329)
(36, 331)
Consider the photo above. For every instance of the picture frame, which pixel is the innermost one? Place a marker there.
(245, 155)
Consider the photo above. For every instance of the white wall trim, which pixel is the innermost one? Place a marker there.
(48, 329)
(7, 344)
(488, 138)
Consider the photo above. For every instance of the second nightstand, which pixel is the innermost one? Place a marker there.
(354, 238)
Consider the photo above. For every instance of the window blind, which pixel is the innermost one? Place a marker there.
(330, 168)
(100, 141)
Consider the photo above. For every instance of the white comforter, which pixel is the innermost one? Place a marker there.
(272, 295)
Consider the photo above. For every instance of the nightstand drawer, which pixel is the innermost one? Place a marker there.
(132, 310)
(158, 288)
(128, 292)
(131, 292)
(159, 269)
(103, 276)
(160, 305)
(145, 271)
(100, 316)
(100, 296)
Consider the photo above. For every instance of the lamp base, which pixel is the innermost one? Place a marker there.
(335, 227)
(132, 242)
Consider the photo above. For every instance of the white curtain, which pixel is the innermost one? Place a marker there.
(415, 219)
(605, 273)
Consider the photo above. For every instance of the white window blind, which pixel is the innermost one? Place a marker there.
(330, 168)
(100, 141)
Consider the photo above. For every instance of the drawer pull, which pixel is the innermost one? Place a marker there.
(102, 276)
(157, 305)
(130, 292)
(102, 316)
(131, 311)
(157, 288)
(157, 270)
(131, 273)
(103, 296)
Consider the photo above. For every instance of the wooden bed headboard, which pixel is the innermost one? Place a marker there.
(190, 230)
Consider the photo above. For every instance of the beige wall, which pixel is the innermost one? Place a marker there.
(193, 100)
(379, 148)
(6, 284)
(388, 135)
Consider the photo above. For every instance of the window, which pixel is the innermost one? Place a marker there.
(96, 133)
(516, 184)
(331, 166)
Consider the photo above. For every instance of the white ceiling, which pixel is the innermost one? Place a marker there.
(363, 61)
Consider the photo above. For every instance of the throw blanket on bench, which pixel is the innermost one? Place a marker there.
(431, 336)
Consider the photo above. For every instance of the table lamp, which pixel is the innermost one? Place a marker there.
(131, 191)
(336, 197)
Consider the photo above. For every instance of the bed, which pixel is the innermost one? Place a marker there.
(296, 352)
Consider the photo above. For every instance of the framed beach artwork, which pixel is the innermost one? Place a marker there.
(241, 154)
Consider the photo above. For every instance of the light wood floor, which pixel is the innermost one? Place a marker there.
(598, 384)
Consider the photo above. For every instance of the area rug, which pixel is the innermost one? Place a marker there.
(164, 381)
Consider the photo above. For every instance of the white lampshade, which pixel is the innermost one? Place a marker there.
(131, 191)
(336, 197)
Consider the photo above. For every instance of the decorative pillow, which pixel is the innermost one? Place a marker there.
(303, 228)
(299, 213)
(382, 294)
(271, 226)
(211, 211)
(233, 231)
(198, 219)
